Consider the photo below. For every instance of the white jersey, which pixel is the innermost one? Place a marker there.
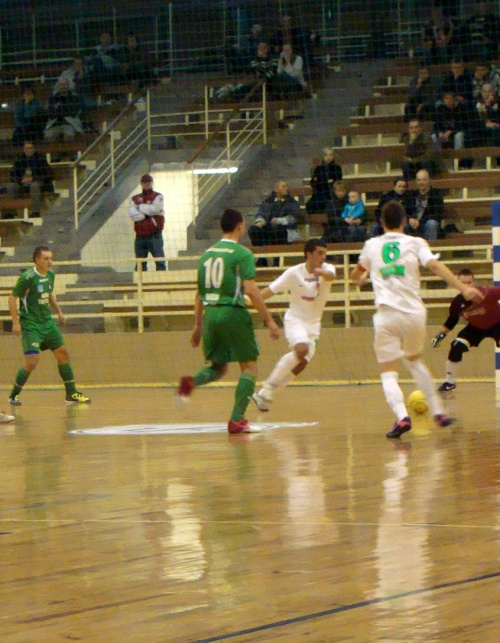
(308, 292)
(393, 261)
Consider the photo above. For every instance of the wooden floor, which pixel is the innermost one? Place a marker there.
(321, 533)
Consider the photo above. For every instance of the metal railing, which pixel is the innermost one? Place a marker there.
(212, 122)
(171, 292)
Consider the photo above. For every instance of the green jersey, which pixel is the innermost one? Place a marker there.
(221, 272)
(33, 290)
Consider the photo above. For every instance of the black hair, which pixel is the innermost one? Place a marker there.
(38, 251)
(466, 272)
(311, 245)
(230, 219)
(398, 179)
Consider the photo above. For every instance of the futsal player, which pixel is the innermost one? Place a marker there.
(309, 285)
(34, 295)
(226, 272)
(483, 320)
(392, 262)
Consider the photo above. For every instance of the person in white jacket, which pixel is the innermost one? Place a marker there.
(146, 211)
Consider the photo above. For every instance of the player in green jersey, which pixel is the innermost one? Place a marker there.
(226, 272)
(34, 291)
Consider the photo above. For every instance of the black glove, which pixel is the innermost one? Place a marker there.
(435, 341)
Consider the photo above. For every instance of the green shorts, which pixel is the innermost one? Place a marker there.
(41, 338)
(228, 335)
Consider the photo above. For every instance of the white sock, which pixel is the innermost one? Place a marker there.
(393, 394)
(451, 371)
(423, 377)
(280, 376)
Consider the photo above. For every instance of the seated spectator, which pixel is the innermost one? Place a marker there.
(31, 175)
(453, 124)
(354, 218)
(80, 81)
(135, 63)
(419, 151)
(437, 37)
(398, 193)
(64, 114)
(323, 177)
(291, 72)
(427, 209)
(458, 81)
(255, 37)
(423, 95)
(104, 64)
(276, 220)
(484, 73)
(264, 65)
(29, 118)
(333, 229)
(488, 122)
(483, 30)
(298, 37)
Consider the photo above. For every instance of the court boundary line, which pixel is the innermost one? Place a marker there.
(344, 608)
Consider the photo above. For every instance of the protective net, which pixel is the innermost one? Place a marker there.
(126, 130)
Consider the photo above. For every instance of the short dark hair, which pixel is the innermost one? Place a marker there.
(398, 179)
(311, 245)
(393, 214)
(230, 219)
(38, 251)
(466, 272)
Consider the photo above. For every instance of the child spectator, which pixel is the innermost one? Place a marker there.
(354, 217)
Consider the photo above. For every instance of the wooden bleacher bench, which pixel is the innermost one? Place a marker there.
(24, 204)
(378, 120)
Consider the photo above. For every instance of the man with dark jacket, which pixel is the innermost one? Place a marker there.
(419, 153)
(146, 211)
(428, 206)
(276, 220)
(31, 175)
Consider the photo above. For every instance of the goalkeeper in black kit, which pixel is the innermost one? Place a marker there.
(483, 320)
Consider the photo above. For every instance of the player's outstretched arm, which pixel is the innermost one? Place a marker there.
(16, 325)
(252, 290)
(441, 270)
(198, 322)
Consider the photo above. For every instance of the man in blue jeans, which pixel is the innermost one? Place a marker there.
(146, 211)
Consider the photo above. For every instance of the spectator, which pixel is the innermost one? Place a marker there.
(437, 37)
(452, 121)
(298, 37)
(80, 81)
(354, 218)
(427, 209)
(423, 95)
(419, 152)
(105, 63)
(276, 220)
(398, 193)
(488, 118)
(255, 37)
(483, 30)
(146, 211)
(333, 229)
(458, 81)
(135, 63)
(64, 114)
(30, 175)
(291, 72)
(29, 118)
(264, 66)
(323, 177)
(484, 73)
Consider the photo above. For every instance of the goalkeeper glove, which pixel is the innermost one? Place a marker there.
(435, 341)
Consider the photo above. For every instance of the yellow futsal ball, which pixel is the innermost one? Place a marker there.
(418, 402)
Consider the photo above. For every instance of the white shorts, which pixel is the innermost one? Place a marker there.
(398, 334)
(300, 332)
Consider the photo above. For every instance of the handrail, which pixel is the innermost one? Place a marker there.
(202, 146)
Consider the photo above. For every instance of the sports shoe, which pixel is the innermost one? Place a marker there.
(262, 403)
(400, 427)
(186, 386)
(443, 420)
(15, 401)
(242, 426)
(77, 398)
(6, 418)
(447, 386)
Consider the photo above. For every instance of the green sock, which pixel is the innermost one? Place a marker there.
(206, 375)
(20, 381)
(242, 395)
(66, 373)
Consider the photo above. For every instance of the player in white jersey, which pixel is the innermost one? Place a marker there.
(309, 286)
(392, 261)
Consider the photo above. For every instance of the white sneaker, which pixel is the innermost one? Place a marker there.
(6, 418)
(262, 403)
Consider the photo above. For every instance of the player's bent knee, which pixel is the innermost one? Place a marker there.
(457, 350)
(221, 369)
(301, 350)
